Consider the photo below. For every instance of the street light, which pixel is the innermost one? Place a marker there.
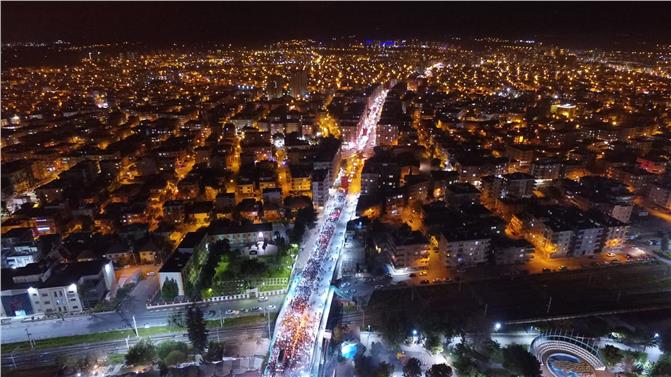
(497, 326)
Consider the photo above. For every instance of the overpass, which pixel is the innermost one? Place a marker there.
(296, 345)
(548, 343)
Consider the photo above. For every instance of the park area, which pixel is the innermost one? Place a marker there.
(225, 271)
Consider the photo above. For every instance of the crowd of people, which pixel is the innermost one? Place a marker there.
(295, 339)
(299, 320)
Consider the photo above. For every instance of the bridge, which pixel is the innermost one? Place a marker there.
(297, 344)
(551, 342)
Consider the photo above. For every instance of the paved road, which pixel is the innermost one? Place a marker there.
(48, 356)
(120, 320)
(297, 333)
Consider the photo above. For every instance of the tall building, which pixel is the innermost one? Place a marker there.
(275, 87)
(298, 84)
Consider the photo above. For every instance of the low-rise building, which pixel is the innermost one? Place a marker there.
(320, 187)
(659, 193)
(606, 195)
(406, 249)
(511, 251)
(61, 288)
(463, 247)
(241, 235)
(301, 181)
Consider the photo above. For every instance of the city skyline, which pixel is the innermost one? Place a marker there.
(596, 24)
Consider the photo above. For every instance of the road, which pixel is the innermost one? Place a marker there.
(296, 333)
(48, 356)
(121, 320)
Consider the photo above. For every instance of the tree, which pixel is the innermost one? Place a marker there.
(439, 370)
(215, 351)
(164, 348)
(363, 366)
(518, 360)
(169, 290)
(412, 368)
(297, 232)
(662, 368)
(216, 251)
(384, 370)
(395, 328)
(175, 357)
(196, 328)
(665, 340)
(307, 216)
(611, 355)
(463, 363)
(432, 343)
(142, 352)
(220, 247)
(633, 360)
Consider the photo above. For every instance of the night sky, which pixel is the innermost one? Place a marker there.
(262, 22)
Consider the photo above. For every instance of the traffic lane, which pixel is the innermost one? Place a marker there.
(48, 356)
(68, 327)
(102, 322)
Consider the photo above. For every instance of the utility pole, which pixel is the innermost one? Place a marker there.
(127, 345)
(363, 317)
(549, 305)
(268, 323)
(486, 307)
(31, 342)
(221, 325)
(137, 334)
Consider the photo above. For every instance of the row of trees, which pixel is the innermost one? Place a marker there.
(472, 355)
(635, 363)
(305, 218)
(171, 352)
(365, 367)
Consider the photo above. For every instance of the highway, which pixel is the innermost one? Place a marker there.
(297, 327)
